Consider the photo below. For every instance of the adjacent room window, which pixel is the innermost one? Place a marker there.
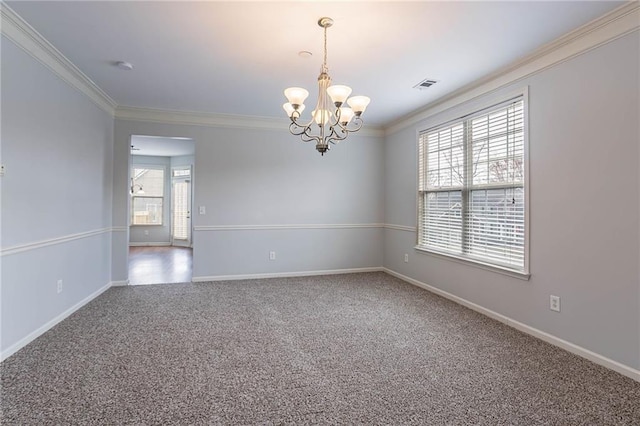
(472, 187)
(147, 195)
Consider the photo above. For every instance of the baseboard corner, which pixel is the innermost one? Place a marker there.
(594, 357)
(197, 279)
(50, 324)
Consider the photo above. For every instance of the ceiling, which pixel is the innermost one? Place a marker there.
(238, 57)
(162, 146)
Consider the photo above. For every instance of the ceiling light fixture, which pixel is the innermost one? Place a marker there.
(334, 121)
(136, 188)
(127, 66)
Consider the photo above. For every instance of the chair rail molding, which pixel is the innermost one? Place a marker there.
(7, 251)
(286, 226)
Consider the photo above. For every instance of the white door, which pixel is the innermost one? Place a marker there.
(181, 207)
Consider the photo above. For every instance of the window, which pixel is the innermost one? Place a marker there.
(471, 188)
(181, 172)
(147, 196)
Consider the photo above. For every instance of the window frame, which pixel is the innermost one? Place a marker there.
(475, 110)
(134, 196)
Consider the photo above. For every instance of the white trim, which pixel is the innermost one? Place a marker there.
(119, 228)
(150, 244)
(7, 251)
(46, 327)
(605, 29)
(287, 226)
(197, 118)
(400, 227)
(28, 39)
(453, 257)
(122, 283)
(284, 274)
(549, 338)
(461, 116)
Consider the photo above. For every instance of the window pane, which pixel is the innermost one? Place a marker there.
(496, 226)
(445, 157)
(149, 182)
(181, 172)
(498, 142)
(146, 210)
(442, 221)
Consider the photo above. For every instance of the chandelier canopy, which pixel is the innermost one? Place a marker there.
(330, 122)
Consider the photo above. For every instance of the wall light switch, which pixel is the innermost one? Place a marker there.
(406, 258)
(202, 210)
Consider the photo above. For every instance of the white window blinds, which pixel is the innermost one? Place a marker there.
(472, 187)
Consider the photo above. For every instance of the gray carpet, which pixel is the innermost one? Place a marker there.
(348, 349)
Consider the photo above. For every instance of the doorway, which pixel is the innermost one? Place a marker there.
(160, 204)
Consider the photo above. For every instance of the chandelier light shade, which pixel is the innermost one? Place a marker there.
(331, 121)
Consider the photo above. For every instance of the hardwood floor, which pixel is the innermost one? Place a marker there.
(159, 265)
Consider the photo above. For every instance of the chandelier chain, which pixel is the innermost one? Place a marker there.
(324, 64)
(328, 125)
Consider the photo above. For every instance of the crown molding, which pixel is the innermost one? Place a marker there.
(615, 24)
(191, 118)
(28, 39)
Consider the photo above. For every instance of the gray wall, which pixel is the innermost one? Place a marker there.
(584, 206)
(56, 196)
(247, 177)
(264, 190)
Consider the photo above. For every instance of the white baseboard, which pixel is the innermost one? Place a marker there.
(46, 327)
(284, 274)
(549, 338)
(165, 244)
(119, 283)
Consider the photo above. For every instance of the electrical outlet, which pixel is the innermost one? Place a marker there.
(406, 258)
(146, 232)
(272, 255)
(554, 303)
(59, 286)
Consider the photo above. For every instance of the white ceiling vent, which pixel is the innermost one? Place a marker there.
(425, 84)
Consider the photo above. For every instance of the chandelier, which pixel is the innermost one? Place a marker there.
(330, 122)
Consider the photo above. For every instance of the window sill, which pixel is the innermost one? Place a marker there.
(475, 263)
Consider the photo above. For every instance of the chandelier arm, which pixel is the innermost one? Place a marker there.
(296, 129)
(354, 125)
(339, 135)
(308, 137)
(331, 129)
